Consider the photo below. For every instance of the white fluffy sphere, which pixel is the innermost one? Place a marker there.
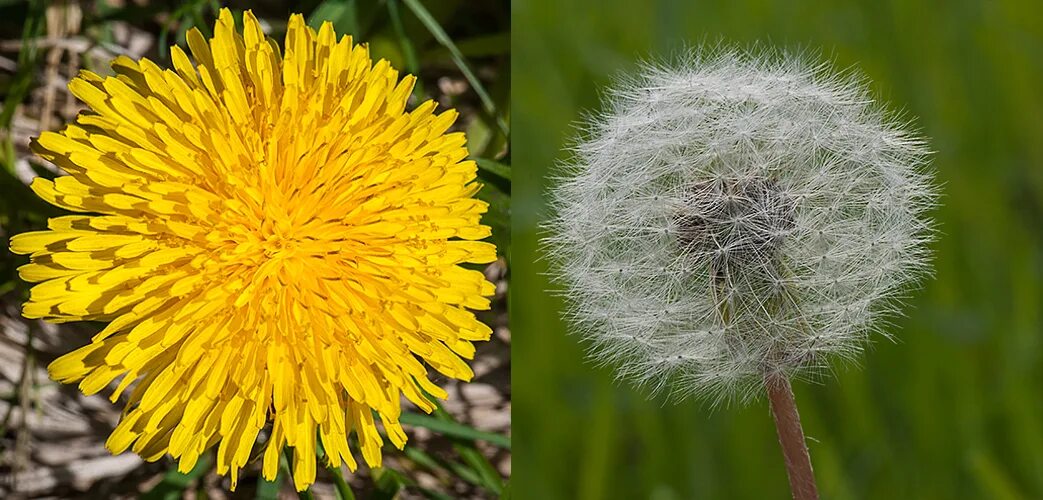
(737, 215)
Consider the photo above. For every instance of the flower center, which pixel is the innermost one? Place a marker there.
(279, 246)
(737, 223)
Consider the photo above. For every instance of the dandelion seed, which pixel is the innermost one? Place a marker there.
(735, 220)
(273, 239)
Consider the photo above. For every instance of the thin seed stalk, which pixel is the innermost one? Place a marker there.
(791, 437)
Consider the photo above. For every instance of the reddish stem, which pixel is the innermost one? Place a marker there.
(791, 437)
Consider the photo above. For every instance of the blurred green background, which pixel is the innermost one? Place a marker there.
(953, 409)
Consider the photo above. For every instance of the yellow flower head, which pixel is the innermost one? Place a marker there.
(272, 238)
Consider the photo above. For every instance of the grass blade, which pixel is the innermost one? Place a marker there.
(455, 429)
(412, 65)
(423, 459)
(436, 30)
(488, 476)
(494, 167)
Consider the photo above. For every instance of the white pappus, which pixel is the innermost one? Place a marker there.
(737, 214)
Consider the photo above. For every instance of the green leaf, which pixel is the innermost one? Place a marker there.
(493, 167)
(174, 483)
(459, 470)
(388, 483)
(344, 14)
(475, 468)
(189, 15)
(408, 51)
(454, 429)
(489, 477)
(268, 490)
(422, 458)
(480, 137)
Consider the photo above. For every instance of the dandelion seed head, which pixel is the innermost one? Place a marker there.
(737, 214)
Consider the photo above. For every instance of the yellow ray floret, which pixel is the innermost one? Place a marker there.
(274, 241)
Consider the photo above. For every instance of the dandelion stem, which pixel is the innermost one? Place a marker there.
(791, 437)
(342, 486)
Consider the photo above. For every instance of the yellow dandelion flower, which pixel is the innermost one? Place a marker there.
(272, 238)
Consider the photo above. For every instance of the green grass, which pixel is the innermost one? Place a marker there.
(953, 409)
